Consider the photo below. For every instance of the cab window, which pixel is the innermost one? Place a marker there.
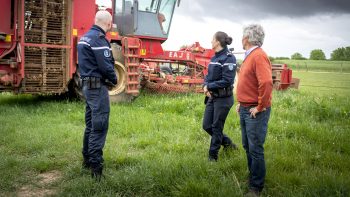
(165, 14)
(148, 5)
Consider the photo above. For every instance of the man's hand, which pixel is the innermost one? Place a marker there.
(253, 111)
(205, 89)
(237, 107)
(109, 84)
(206, 92)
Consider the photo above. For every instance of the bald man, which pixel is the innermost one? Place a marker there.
(96, 68)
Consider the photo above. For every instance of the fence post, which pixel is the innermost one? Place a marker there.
(307, 69)
(341, 67)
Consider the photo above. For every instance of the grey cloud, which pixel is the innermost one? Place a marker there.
(260, 9)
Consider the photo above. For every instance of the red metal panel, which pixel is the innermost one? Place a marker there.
(286, 78)
(5, 27)
(12, 73)
(5, 17)
(151, 48)
(83, 15)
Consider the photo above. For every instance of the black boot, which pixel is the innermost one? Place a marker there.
(96, 172)
(213, 158)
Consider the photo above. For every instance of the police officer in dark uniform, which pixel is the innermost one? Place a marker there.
(218, 88)
(96, 67)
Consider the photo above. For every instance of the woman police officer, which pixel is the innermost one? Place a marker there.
(218, 89)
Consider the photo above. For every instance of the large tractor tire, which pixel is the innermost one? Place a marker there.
(118, 93)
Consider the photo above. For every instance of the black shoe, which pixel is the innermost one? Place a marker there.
(230, 147)
(212, 158)
(96, 172)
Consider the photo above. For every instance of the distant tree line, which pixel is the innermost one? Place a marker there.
(342, 54)
(339, 54)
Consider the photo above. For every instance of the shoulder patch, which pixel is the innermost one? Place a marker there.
(231, 66)
(107, 53)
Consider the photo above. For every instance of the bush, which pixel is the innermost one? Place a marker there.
(297, 56)
(317, 54)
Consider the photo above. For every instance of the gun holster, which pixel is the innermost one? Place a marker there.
(109, 84)
(206, 100)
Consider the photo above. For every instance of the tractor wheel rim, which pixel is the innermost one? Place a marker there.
(121, 73)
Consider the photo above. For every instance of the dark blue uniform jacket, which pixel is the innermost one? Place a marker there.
(95, 56)
(221, 70)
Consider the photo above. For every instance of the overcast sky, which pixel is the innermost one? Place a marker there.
(290, 25)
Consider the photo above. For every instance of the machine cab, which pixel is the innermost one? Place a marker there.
(145, 18)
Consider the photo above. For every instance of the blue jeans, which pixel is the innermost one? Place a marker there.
(96, 120)
(215, 114)
(253, 137)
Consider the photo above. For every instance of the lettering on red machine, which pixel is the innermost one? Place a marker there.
(179, 55)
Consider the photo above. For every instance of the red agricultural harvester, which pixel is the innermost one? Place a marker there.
(38, 52)
(282, 77)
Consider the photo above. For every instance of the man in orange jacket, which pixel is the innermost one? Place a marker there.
(254, 93)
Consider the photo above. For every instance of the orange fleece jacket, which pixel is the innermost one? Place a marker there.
(254, 86)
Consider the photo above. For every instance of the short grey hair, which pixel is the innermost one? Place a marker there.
(255, 34)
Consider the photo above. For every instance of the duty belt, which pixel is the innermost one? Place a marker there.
(91, 82)
(222, 92)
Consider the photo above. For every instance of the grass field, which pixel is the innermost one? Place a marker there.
(156, 147)
(331, 84)
(317, 65)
